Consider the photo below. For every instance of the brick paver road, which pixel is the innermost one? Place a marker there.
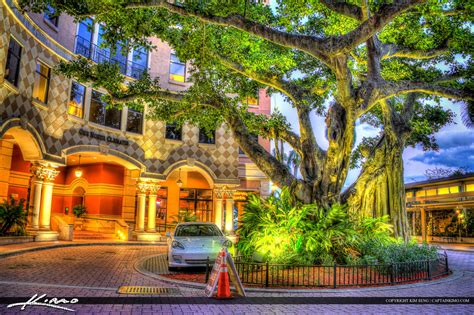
(97, 271)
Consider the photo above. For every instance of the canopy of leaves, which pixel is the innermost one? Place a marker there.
(341, 59)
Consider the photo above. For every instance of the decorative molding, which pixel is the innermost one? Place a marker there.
(45, 173)
(219, 193)
(145, 185)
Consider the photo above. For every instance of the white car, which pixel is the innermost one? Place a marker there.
(193, 242)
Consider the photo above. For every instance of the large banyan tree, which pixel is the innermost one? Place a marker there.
(385, 62)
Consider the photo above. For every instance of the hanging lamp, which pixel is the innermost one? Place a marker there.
(179, 182)
(78, 170)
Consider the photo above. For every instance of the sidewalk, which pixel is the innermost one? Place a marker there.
(455, 247)
(15, 249)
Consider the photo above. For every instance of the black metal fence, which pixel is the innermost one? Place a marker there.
(280, 275)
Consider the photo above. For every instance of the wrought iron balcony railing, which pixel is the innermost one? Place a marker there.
(100, 55)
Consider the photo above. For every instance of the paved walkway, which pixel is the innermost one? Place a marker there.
(98, 271)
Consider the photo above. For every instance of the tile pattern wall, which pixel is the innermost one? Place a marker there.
(60, 132)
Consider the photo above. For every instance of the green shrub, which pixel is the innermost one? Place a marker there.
(13, 217)
(280, 230)
(79, 210)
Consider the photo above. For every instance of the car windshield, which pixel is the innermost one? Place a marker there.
(197, 230)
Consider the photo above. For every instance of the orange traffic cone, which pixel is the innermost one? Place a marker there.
(223, 288)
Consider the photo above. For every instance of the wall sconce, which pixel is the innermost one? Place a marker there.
(179, 182)
(78, 170)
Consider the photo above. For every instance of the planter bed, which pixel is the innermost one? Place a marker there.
(5, 240)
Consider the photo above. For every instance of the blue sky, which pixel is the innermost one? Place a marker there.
(456, 143)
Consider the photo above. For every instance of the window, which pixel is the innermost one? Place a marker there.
(177, 69)
(173, 132)
(469, 187)
(420, 193)
(139, 62)
(134, 121)
(409, 194)
(117, 56)
(197, 230)
(84, 38)
(252, 101)
(253, 138)
(443, 191)
(51, 15)
(205, 138)
(196, 202)
(431, 192)
(454, 189)
(100, 114)
(13, 62)
(41, 86)
(76, 100)
(162, 203)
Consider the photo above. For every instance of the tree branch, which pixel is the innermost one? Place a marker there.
(344, 44)
(344, 8)
(391, 51)
(390, 89)
(164, 95)
(294, 92)
(306, 43)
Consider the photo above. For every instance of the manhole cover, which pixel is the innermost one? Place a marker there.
(147, 290)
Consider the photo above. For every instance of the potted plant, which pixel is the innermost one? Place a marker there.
(13, 217)
(79, 211)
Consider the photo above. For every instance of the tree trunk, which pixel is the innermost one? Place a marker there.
(380, 188)
(340, 124)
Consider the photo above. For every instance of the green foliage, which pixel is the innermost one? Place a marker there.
(374, 252)
(13, 217)
(183, 216)
(281, 230)
(79, 210)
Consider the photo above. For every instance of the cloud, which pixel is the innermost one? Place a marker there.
(453, 139)
(456, 150)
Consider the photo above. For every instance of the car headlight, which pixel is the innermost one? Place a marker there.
(176, 244)
(227, 243)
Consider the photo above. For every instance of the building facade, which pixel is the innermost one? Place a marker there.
(61, 146)
(442, 210)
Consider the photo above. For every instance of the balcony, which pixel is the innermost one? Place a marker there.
(100, 55)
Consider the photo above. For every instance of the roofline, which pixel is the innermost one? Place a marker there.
(440, 180)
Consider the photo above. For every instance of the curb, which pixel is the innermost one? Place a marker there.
(454, 276)
(53, 246)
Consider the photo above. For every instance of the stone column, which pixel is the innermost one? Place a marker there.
(37, 188)
(151, 226)
(49, 174)
(423, 225)
(218, 207)
(140, 224)
(229, 212)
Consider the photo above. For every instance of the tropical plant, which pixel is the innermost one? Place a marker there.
(282, 230)
(13, 217)
(183, 216)
(79, 210)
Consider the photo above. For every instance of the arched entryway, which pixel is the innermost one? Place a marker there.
(189, 194)
(78, 196)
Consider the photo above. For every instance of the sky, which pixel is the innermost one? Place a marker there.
(456, 143)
